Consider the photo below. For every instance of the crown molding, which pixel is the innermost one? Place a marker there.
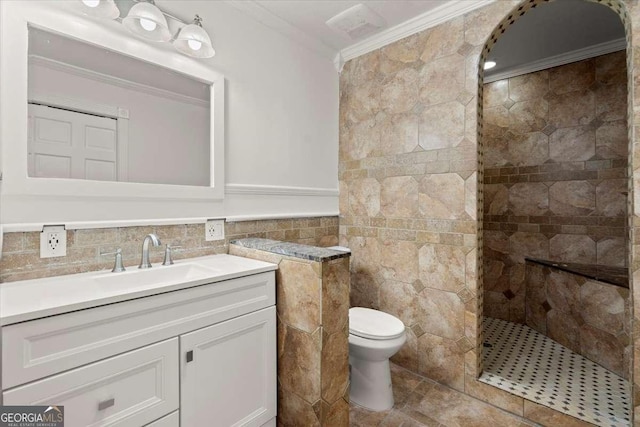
(115, 81)
(421, 22)
(275, 190)
(558, 60)
(262, 217)
(273, 21)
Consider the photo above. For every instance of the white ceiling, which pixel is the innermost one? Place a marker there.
(311, 15)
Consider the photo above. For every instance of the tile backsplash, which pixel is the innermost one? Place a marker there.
(21, 251)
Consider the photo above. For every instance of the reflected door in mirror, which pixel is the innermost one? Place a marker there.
(69, 144)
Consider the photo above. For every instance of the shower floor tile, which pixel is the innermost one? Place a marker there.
(526, 363)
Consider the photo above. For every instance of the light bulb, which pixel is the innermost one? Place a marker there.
(148, 24)
(194, 44)
(489, 65)
(91, 3)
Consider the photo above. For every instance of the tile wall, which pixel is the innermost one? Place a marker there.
(555, 174)
(588, 317)
(21, 251)
(313, 338)
(410, 160)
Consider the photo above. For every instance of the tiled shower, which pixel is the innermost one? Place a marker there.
(556, 297)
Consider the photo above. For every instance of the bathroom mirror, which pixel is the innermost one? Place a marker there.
(101, 115)
(35, 193)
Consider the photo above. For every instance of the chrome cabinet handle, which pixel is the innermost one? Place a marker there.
(106, 404)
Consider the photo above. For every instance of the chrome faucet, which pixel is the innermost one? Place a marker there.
(144, 263)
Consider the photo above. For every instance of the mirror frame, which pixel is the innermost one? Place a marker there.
(64, 19)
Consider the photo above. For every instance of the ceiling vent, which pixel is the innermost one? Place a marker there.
(357, 22)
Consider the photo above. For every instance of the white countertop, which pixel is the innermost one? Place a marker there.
(32, 299)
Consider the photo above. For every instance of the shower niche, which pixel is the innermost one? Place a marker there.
(557, 322)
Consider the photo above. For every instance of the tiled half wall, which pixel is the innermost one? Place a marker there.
(589, 317)
(21, 251)
(555, 174)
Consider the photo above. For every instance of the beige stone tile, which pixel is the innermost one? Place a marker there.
(335, 365)
(454, 409)
(529, 86)
(495, 94)
(611, 69)
(528, 116)
(529, 198)
(549, 417)
(336, 414)
(611, 197)
(399, 197)
(525, 244)
(572, 109)
(493, 395)
(299, 362)
(496, 199)
(96, 236)
(400, 300)
(293, 411)
(568, 198)
(398, 261)
(364, 197)
(529, 149)
(335, 295)
(603, 348)
(442, 80)
(572, 77)
(572, 248)
(612, 140)
(572, 144)
(441, 360)
(12, 242)
(612, 251)
(298, 294)
(442, 196)
(398, 133)
(363, 417)
(442, 267)
(442, 126)
(363, 101)
(442, 40)
(611, 102)
(397, 418)
(400, 93)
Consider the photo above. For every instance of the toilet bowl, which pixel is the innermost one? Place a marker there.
(374, 336)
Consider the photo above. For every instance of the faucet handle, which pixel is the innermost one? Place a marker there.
(167, 254)
(117, 267)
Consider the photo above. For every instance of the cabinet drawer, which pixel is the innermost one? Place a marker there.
(171, 420)
(132, 389)
(43, 347)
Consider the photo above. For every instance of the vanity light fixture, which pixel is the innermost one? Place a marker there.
(489, 65)
(101, 8)
(146, 21)
(194, 41)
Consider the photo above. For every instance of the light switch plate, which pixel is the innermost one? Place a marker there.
(214, 230)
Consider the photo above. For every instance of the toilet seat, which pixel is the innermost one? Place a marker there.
(374, 324)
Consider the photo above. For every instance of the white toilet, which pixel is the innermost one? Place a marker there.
(374, 336)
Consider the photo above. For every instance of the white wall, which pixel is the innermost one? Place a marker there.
(168, 141)
(281, 128)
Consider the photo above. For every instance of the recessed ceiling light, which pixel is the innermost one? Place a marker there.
(489, 65)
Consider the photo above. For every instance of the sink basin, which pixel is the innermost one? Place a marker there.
(136, 278)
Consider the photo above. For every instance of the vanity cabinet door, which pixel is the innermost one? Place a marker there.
(228, 372)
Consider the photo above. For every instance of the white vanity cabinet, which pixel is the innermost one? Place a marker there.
(200, 356)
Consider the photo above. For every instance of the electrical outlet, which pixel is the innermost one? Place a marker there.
(53, 241)
(214, 230)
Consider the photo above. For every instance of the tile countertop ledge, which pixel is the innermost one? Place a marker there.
(32, 299)
(295, 250)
